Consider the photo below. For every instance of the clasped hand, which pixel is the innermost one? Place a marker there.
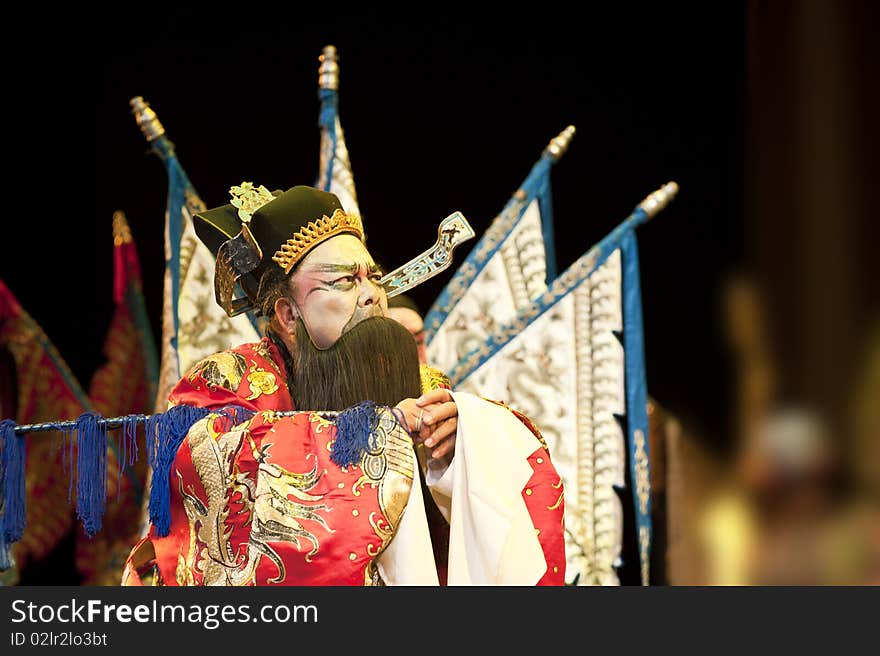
(433, 420)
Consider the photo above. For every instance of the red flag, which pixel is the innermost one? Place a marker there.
(125, 384)
(44, 389)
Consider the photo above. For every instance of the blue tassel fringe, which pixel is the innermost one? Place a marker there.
(355, 433)
(12, 464)
(91, 471)
(164, 434)
(128, 451)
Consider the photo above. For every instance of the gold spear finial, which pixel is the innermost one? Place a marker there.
(328, 71)
(121, 231)
(559, 144)
(659, 199)
(146, 119)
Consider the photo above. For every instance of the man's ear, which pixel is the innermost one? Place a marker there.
(286, 313)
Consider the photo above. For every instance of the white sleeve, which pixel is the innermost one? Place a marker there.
(492, 538)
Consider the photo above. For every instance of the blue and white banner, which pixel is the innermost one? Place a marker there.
(334, 170)
(193, 324)
(507, 269)
(560, 362)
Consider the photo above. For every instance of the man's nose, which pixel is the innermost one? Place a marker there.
(371, 293)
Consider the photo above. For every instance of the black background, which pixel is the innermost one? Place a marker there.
(440, 113)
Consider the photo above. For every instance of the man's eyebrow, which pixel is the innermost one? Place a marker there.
(341, 268)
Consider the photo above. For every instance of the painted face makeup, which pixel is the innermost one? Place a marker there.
(336, 286)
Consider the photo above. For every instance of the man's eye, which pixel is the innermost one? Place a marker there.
(376, 277)
(344, 280)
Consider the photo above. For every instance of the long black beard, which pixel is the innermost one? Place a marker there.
(377, 360)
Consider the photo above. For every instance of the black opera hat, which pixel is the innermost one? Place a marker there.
(261, 229)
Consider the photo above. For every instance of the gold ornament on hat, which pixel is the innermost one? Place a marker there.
(247, 199)
(315, 232)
